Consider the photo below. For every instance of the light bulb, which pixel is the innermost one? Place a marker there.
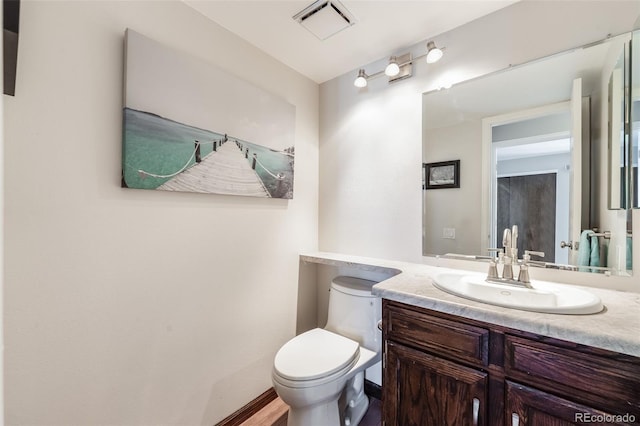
(393, 68)
(433, 53)
(361, 80)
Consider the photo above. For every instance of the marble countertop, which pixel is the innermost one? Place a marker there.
(617, 328)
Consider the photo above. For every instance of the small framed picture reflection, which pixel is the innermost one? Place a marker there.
(444, 174)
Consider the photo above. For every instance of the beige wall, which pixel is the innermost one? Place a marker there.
(132, 307)
(461, 142)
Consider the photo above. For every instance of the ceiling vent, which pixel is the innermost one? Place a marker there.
(325, 18)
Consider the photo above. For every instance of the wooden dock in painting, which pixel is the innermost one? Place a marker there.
(224, 171)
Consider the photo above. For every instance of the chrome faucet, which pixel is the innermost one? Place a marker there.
(508, 258)
(507, 243)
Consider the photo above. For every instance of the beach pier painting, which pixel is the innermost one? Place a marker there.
(191, 127)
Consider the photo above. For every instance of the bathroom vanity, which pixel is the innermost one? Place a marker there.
(453, 361)
(443, 369)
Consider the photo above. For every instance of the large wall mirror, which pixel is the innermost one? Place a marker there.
(543, 146)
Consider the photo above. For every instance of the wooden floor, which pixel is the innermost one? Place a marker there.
(225, 171)
(274, 414)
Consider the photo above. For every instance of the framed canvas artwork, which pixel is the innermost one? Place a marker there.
(190, 126)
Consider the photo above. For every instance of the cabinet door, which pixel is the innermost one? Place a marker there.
(527, 406)
(423, 390)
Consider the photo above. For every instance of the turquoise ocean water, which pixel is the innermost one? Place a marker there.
(161, 146)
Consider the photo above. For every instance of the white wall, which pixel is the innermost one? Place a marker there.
(370, 139)
(132, 307)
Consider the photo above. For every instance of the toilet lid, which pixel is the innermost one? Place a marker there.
(314, 354)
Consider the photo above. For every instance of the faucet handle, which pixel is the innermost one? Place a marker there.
(529, 253)
(523, 275)
(493, 269)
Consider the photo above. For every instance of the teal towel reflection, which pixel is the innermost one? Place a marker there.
(589, 250)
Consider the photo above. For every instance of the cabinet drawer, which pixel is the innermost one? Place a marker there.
(437, 335)
(540, 407)
(554, 368)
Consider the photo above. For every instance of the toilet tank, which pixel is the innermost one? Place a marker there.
(354, 312)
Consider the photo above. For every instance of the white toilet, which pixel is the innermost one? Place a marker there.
(320, 373)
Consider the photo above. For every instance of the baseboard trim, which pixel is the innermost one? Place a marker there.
(372, 389)
(244, 413)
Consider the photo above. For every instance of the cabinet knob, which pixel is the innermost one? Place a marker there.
(380, 325)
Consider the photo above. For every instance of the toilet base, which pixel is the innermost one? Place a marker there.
(330, 413)
(353, 401)
(353, 415)
(344, 407)
(317, 415)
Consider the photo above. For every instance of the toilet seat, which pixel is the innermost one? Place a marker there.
(315, 356)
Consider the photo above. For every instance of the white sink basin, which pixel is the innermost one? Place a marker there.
(544, 297)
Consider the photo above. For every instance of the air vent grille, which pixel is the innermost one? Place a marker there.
(325, 18)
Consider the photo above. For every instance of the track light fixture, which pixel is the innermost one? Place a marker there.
(400, 67)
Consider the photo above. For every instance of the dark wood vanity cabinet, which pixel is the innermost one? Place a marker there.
(432, 390)
(442, 370)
